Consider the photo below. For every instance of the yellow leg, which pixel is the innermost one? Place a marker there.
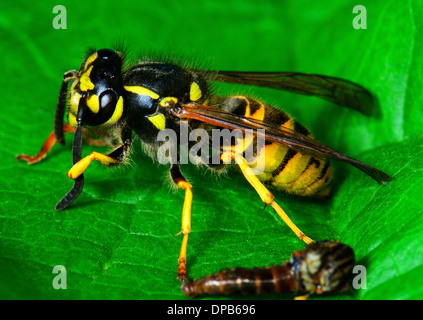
(79, 167)
(265, 195)
(186, 228)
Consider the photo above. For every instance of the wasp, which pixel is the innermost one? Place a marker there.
(324, 266)
(113, 100)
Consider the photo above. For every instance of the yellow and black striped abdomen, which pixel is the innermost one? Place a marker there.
(284, 168)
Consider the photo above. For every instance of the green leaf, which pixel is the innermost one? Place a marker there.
(117, 239)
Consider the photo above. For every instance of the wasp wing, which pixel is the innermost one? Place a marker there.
(292, 139)
(339, 91)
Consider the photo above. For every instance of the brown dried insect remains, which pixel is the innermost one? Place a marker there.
(324, 266)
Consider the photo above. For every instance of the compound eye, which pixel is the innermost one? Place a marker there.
(108, 100)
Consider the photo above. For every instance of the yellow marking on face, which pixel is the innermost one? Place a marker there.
(164, 101)
(117, 114)
(85, 81)
(158, 120)
(90, 60)
(74, 99)
(73, 85)
(72, 119)
(93, 103)
(195, 92)
(142, 91)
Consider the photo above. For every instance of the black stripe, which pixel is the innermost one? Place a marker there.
(310, 162)
(254, 106)
(288, 156)
(321, 175)
(276, 117)
(316, 163)
(324, 170)
(298, 127)
(235, 105)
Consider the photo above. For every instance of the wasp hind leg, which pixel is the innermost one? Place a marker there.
(265, 195)
(181, 182)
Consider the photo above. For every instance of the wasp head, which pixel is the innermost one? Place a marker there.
(98, 89)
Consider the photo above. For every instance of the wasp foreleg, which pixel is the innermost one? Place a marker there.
(114, 158)
(48, 144)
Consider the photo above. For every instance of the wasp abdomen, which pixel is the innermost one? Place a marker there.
(244, 281)
(284, 168)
